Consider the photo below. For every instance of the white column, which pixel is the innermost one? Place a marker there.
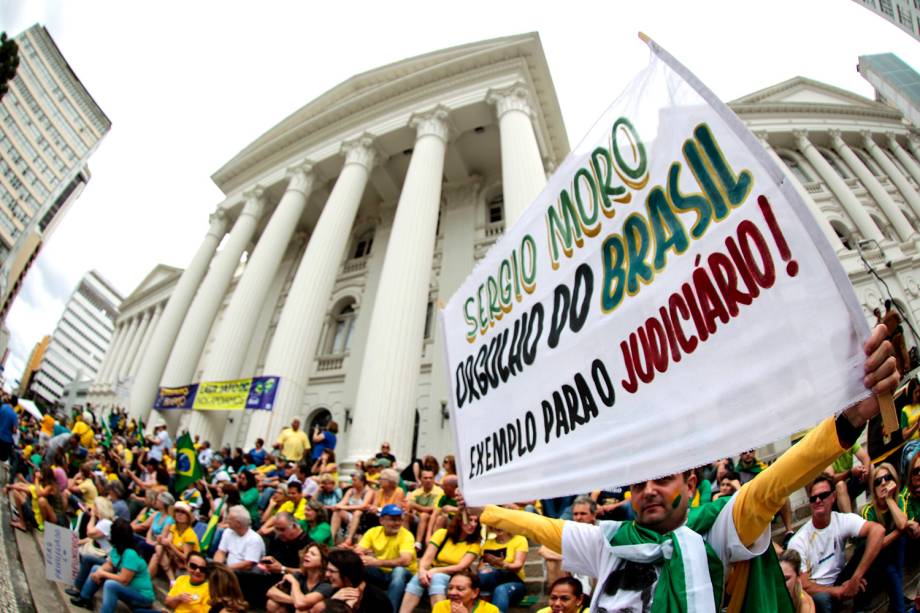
(291, 353)
(825, 225)
(913, 145)
(120, 359)
(197, 324)
(523, 175)
(154, 320)
(153, 360)
(907, 191)
(906, 160)
(387, 392)
(880, 194)
(225, 360)
(118, 337)
(839, 188)
(135, 344)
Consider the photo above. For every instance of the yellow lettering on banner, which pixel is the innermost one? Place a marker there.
(222, 395)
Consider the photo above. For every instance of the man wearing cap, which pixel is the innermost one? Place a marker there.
(388, 553)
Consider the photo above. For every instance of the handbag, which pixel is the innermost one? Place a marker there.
(90, 548)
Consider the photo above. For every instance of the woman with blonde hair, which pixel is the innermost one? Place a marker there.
(791, 563)
(175, 544)
(224, 589)
(888, 508)
(97, 544)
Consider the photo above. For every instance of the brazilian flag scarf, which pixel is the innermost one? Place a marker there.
(691, 576)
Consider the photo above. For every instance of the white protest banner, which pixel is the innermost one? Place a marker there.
(62, 557)
(667, 300)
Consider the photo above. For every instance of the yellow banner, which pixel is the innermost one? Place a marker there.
(222, 395)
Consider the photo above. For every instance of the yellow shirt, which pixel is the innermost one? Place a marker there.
(426, 499)
(451, 553)
(201, 602)
(89, 491)
(289, 508)
(36, 510)
(86, 434)
(390, 547)
(912, 413)
(293, 444)
(266, 468)
(479, 606)
(188, 537)
(515, 544)
(48, 424)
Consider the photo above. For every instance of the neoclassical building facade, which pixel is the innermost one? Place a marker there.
(347, 224)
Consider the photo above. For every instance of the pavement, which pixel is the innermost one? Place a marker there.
(15, 596)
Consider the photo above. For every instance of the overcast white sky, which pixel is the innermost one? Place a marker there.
(189, 84)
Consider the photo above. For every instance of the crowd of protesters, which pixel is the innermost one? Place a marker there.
(281, 527)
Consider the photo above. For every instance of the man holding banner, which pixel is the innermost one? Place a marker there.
(656, 300)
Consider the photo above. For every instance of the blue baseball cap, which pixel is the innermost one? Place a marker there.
(392, 510)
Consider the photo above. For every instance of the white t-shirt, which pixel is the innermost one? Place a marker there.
(249, 547)
(586, 549)
(159, 448)
(105, 527)
(822, 550)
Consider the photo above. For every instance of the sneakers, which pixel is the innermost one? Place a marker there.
(72, 591)
(83, 604)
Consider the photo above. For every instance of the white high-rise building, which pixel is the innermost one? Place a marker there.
(903, 13)
(80, 339)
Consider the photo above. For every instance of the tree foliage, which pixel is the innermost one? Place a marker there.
(9, 62)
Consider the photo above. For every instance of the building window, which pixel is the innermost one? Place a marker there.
(429, 320)
(886, 7)
(495, 208)
(796, 168)
(363, 245)
(342, 326)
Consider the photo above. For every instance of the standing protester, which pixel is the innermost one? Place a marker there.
(324, 438)
(293, 442)
(9, 426)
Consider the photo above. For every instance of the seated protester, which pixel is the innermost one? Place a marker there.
(889, 509)
(231, 497)
(729, 483)
(316, 523)
(258, 453)
(446, 508)
(141, 522)
(159, 524)
(192, 497)
(565, 596)
(450, 551)
(791, 563)
(372, 468)
(613, 504)
(329, 493)
(302, 474)
(190, 593)
(703, 493)
(303, 589)
(295, 504)
(279, 497)
(911, 495)
(421, 505)
(583, 512)
(116, 493)
(224, 590)
(348, 511)
(249, 494)
(850, 479)
(822, 545)
(345, 573)
(388, 554)
(175, 543)
(325, 465)
(123, 577)
(83, 485)
(463, 596)
(96, 545)
(282, 555)
(36, 502)
(217, 472)
(501, 569)
(384, 454)
(240, 548)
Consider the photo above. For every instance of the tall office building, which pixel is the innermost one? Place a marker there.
(49, 127)
(903, 13)
(895, 83)
(32, 364)
(80, 339)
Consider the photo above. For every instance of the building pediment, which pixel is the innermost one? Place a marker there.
(803, 95)
(156, 278)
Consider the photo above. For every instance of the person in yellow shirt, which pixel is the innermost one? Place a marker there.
(463, 596)
(501, 569)
(422, 503)
(295, 505)
(293, 442)
(189, 594)
(47, 429)
(566, 595)
(85, 432)
(388, 553)
(175, 545)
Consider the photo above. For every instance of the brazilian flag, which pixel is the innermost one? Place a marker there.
(208, 536)
(187, 467)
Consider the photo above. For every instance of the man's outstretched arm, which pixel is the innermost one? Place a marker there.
(543, 530)
(759, 500)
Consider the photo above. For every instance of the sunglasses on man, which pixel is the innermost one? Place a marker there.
(816, 498)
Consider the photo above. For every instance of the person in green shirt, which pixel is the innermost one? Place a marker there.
(123, 577)
(249, 495)
(316, 523)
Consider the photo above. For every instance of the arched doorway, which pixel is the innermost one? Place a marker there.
(318, 419)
